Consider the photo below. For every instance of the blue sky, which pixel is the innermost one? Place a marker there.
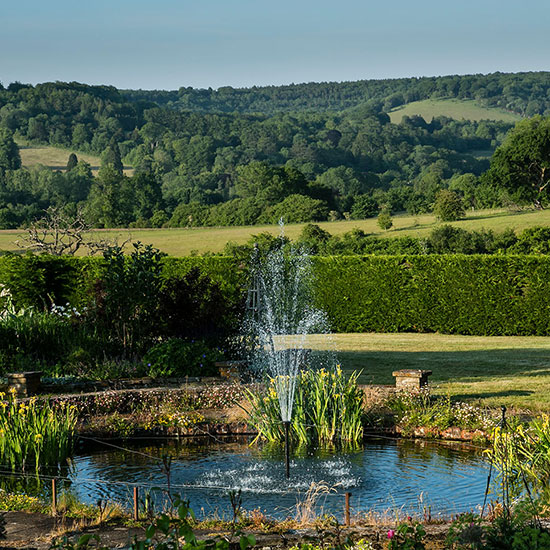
(166, 44)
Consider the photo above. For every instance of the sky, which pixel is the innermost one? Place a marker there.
(167, 44)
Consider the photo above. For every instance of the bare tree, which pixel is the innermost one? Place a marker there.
(58, 233)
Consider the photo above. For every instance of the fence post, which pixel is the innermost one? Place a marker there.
(54, 497)
(136, 504)
(347, 519)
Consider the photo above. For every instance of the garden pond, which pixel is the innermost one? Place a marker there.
(382, 474)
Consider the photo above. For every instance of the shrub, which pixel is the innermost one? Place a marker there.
(448, 206)
(385, 221)
(177, 357)
(126, 296)
(193, 306)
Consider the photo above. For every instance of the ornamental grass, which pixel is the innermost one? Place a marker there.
(33, 434)
(328, 407)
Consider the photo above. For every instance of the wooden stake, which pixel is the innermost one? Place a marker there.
(346, 511)
(54, 497)
(136, 505)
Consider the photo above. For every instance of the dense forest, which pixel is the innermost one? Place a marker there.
(307, 152)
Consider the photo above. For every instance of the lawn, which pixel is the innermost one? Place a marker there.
(56, 158)
(452, 108)
(492, 371)
(184, 241)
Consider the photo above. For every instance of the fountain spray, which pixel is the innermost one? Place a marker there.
(281, 322)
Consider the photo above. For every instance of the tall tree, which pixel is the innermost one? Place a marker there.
(10, 158)
(72, 162)
(111, 157)
(521, 165)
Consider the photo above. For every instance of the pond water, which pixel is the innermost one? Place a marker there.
(382, 475)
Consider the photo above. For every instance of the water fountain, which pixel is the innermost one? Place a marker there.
(281, 320)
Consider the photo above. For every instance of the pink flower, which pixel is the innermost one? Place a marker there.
(391, 534)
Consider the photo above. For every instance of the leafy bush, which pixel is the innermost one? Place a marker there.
(193, 306)
(177, 357)
(419, 408)
(126, 296)
(448, 206)
(39, 281)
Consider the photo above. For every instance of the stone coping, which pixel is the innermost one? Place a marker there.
(410, 373)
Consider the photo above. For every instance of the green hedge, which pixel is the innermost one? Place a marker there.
(484, 295)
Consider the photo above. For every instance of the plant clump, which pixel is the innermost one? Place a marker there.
(328, 408)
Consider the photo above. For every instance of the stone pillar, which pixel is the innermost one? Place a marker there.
(230, 370)
(25, 383)
(411, 379)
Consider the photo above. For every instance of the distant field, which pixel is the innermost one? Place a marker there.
(489, 370)
(453, 108)
(56, 158)
(184, 241)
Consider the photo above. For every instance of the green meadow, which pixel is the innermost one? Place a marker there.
(56, 157)
(452, 108)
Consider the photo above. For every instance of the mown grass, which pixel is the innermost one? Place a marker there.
(453, 108)
(185, 241)
(496, 370)
(56, 157)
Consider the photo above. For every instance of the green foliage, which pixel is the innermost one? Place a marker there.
(40, 281)
(177, 357)
(448, 206)
(364, 206)
(419, 408)
(515, 531)
(127, 294)
(385, 221)
(521, 165)
(453, 294)
(33, 434)
(9, 152)
(193, 306)
(166, 532)
(327, 408)
(408, 536)
(210, 162)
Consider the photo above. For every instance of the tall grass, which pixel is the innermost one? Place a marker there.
(33, 434)
(328, 408)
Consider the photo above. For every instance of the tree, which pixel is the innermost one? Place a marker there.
(58, 233)
(9, 152)
(521, 165)
(385, 221)
(72, 162)
(364, 206)
(111, 157)
(448, 206)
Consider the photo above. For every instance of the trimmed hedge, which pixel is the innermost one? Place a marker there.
(460, 294)
(483, 295)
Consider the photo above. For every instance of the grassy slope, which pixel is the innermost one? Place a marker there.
(55, 157)
(182, 241)
(494, 371)
(453, 108)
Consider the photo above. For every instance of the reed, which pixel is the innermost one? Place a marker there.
(34, 434)
(328, 408)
